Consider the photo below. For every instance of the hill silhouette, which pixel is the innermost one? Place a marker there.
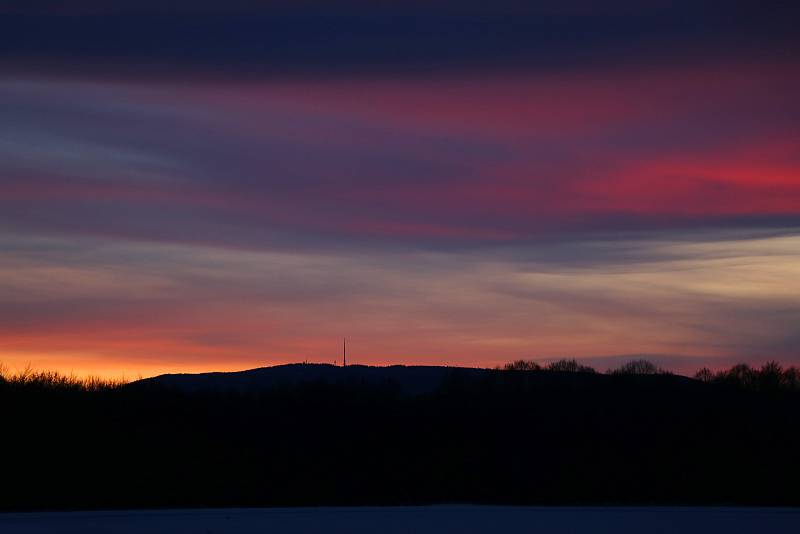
(410, 380)
(406, 380)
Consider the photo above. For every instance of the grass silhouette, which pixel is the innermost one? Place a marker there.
(31, 378)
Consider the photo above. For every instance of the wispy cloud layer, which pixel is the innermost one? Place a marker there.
(126, 305)
(247, 187)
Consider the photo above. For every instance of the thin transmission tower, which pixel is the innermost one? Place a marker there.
(344, 352)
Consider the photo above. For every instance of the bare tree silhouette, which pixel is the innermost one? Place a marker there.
(638, 367)
(770, 376)
(569, 366)
(741, 375)
(705, 375)
(522, 365)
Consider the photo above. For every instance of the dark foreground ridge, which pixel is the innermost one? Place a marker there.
(322, 435)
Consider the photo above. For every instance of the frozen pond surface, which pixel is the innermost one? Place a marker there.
(422, 520)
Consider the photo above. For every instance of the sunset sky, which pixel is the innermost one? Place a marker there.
(187, 188)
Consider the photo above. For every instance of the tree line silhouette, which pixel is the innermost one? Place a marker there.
(525, 434)
(770, 376)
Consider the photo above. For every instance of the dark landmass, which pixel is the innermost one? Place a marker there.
(443, 519)
(322, 435)
(408, 380)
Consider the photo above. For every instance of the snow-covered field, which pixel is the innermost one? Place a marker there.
(421, 520)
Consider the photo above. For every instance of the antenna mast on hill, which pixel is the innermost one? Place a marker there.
(344, 352)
